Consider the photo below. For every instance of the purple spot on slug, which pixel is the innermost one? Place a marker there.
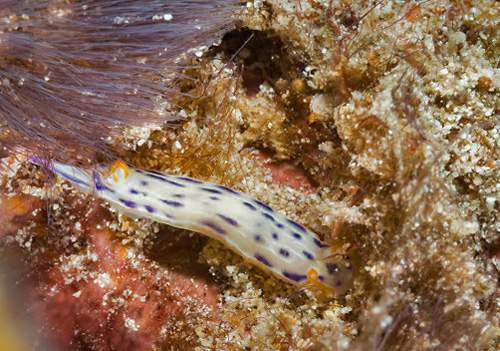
(215, 198)
(213, 191)
(294, 276)
(268, 216)
(229, 190)
(263, 260)
(250, 206)
(214, 227)
(149, 209)
(73, 180)
(275, 236)
(165, 180)
(179, 196)
(279, 225)
(284, 252)
(168, 216)
(296, 225)
(172, 203)
(128, 203)
(321, 278)
(263, 205)
(258, 238)
(319, 243)
(174, 183)
(156, 176)
(338, 284)
(190, 180)
(144, 183)
(151, 171)
(308, 255)
(133, 191)
(228, 220)
(99, 185)
(297, 236)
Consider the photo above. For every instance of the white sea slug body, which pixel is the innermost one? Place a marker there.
(252, 229)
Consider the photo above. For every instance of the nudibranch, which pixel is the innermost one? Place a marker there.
(249, 227)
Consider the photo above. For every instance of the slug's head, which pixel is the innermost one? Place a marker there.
(332, 274)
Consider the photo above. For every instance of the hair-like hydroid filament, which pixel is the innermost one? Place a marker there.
(73, 73)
